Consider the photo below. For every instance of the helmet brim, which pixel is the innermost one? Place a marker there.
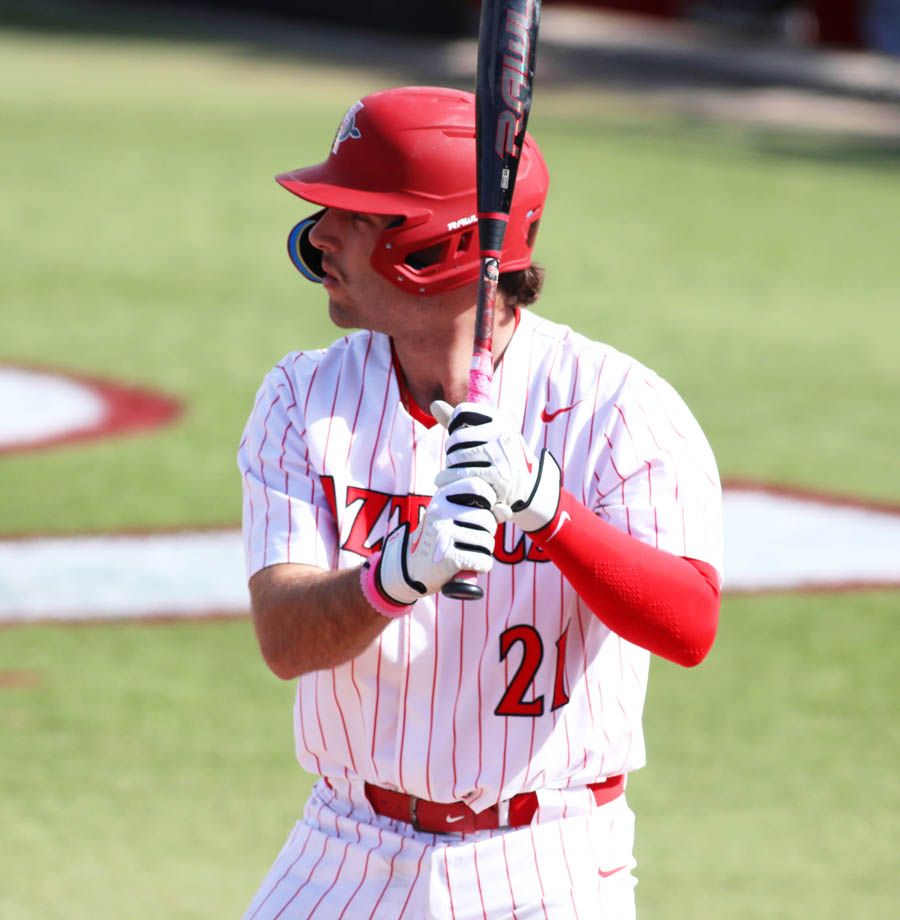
(318, 185)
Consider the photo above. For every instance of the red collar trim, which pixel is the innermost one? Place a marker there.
(411, 406)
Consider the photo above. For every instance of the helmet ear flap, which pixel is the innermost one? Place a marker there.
(307, 259)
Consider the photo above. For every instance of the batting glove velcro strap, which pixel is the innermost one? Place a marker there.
(539, 509)
(455, 535)
(483, 442)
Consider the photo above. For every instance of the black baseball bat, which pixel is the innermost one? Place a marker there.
(507, 46)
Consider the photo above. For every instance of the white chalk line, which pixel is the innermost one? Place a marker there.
(773, 542)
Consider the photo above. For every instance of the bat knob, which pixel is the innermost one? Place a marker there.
(463, 588)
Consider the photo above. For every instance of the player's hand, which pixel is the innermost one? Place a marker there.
(455, 535)
(483, 442)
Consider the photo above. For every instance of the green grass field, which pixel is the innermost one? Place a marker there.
(148, 771)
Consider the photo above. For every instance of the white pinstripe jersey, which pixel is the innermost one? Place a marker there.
(526, 688)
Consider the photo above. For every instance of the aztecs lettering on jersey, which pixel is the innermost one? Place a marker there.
(367, 516)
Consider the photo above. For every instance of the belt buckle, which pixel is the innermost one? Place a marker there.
(503, 813)
(414, 814)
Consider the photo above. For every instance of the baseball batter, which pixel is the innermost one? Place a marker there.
(473, 755)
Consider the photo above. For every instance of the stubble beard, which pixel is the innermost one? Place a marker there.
(340, 314)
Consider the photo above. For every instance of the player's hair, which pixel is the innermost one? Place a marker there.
(522, 287)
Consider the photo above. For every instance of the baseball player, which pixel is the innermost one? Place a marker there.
(473, 755)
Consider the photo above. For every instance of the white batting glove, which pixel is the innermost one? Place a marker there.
(483, 442)
(455, 535)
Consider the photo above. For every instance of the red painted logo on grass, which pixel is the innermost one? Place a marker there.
(43, 407)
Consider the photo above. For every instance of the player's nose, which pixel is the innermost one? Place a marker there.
(324, 234)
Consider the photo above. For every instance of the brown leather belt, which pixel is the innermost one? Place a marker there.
(458, 818)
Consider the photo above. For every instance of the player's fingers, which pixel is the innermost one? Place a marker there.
(476, 456)
(450, 475)
(472, 559)
(481, 519)
(492, 477)
(502, 512)
(461, 491)
(442, 411)
(470, 413)
(472, 436)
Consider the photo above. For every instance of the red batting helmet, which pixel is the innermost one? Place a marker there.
(411, 152)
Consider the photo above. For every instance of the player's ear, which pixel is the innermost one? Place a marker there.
(306, 258)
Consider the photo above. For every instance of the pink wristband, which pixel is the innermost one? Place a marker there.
(376, 600)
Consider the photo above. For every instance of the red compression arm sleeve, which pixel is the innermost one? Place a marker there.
(661, 602)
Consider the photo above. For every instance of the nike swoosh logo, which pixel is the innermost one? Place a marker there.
(457, 818)
(610, 872)
(549, 416)
(562, 520)
(527, 461)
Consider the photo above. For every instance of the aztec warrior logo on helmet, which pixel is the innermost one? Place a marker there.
(347, 129)
(410, 153)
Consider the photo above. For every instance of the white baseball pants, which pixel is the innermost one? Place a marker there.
(345, 862)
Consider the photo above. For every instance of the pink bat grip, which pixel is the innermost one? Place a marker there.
(481, 375)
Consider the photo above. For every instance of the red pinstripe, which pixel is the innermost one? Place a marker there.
(534, 569)
(478, 882)
(337, 388)
(512, 606)
(337, 875)
(390, 876)
(407, 668)
(246, 477)
(259, 459)
(305, 882)
(660, 447)
(499, 378)
(462, 642)
(334, 692)
(449, 886)
(537, 870)
(683, 437)
(272, 890)
(318, 677)
(309, 386)
(412, 887)
(362, 387)
(512, 897)
(595, 409)
(406, 627)
(481, 711)
(287, 490)
(289, 382)
(365, 874)
(579, 619)
(512, 589)
(302, 723)
(612, 463)
(619, 699)
(562, 847)
(387, 389)
(434, 671)
(377, 701)
(564, 461)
